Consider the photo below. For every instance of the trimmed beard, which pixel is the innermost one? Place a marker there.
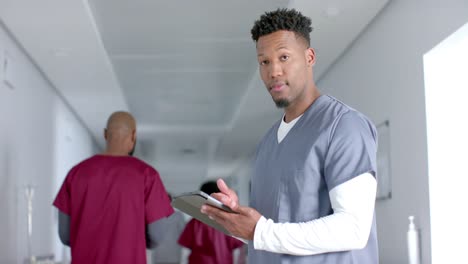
(282, 103)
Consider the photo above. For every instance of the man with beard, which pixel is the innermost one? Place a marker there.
(109, 204)
(313, 186)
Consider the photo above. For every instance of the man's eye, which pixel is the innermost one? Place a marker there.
(264, 62)
(284, 57)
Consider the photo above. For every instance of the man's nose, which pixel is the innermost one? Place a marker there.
(276, 69)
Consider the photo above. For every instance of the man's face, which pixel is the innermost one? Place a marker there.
(285, 62)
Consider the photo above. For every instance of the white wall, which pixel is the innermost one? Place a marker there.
(28, 146)
(381, 75)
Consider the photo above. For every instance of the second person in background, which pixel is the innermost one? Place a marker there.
(206, 244)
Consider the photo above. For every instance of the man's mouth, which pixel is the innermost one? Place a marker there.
(277, 87)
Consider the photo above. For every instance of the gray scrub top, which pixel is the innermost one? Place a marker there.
(329, 145)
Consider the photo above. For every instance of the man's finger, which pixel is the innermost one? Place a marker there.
(223, 186)
(226, 200)
(222, 198)
(230, 193)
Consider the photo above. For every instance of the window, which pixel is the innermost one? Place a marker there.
(446, 84)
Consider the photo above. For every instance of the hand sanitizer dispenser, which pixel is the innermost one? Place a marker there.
(414, 256)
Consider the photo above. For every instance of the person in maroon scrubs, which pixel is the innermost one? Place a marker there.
(109, 204)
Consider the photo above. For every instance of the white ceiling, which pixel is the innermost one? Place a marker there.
(186, 69)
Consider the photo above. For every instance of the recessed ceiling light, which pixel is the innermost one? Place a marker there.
(332, 11)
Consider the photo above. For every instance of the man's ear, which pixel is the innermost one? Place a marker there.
(310, 57)
(105, 133)
(134, 135)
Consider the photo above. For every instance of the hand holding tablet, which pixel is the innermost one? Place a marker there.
(191, 203)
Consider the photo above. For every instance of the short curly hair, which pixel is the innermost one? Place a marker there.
(282, 19)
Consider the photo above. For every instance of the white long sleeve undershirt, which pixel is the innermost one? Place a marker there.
(348, 228)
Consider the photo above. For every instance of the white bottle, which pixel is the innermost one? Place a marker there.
(414, 256)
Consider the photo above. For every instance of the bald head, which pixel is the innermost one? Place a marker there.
(120, 132)
(121, 122)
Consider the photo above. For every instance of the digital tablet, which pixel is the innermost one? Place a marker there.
(191, 203)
